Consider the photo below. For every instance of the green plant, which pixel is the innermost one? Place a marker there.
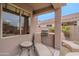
(65, 30)
(52, 29)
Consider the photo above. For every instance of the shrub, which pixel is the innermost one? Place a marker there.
(52, 29)
(65, 30)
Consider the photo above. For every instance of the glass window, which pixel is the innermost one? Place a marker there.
(49, 25)
(13, 23)
(10, 24)
(24, 25)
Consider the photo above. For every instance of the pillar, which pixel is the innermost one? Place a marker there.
(58, 28)
(33, 23)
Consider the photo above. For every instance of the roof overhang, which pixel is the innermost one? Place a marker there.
(58, 5)
(40, 8)
(47, 8)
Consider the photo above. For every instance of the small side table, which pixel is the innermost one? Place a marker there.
(27, 45)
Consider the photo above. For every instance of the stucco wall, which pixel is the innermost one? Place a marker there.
(74, 33)
(9, 46)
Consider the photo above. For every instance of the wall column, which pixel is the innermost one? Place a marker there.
(33, 23)
(0, 20)
(58, 28)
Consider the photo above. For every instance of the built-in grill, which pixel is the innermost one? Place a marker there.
(44, 36)
(44, 33)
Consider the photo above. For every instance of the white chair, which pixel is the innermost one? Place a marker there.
(72, 54)
(70, 44)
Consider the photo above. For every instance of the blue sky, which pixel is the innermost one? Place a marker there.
(11, 18)
(70, 8)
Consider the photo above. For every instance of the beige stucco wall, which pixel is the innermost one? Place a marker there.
(78, 22)
(74, 33)
(34, 23)
(9, 46)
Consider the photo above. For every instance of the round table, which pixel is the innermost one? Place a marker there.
(72, 54)
(27, 45)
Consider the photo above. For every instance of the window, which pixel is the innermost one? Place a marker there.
(10, 24)
(25, 25)
(14, 23)
(49, 25)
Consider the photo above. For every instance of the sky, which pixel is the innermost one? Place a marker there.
(70, 8)
(11, 18)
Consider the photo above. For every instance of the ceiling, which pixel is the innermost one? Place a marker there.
(36, 6)
(39, 8)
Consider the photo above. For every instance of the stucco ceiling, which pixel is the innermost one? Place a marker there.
(36, 6)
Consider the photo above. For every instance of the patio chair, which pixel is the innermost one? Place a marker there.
(70, 44)
(72, 54)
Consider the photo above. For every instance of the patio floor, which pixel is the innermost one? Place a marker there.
(54, 52)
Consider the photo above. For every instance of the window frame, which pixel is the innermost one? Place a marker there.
(1, 22)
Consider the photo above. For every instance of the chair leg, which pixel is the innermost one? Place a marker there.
(28, 51)
(20, 51)
(34, 48)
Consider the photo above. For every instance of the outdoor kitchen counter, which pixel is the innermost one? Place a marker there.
(47, 40)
